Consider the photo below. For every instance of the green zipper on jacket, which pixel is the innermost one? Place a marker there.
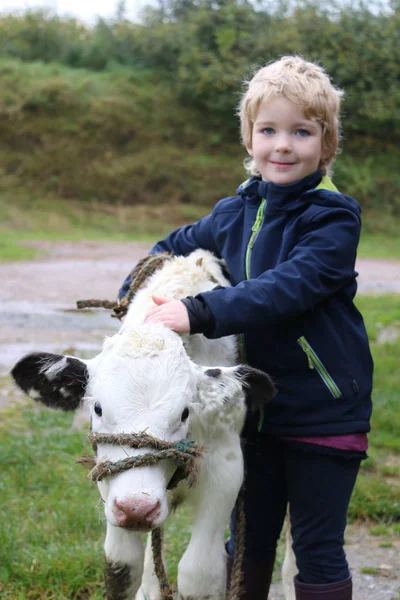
(313, 360)
(315, 363)
(254, 232)
(255, 229)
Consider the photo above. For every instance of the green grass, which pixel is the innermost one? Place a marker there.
(50, 218)
(379, 530)
(55, 219)
(377, 493)
(369, 570)
(385, 544)
(12, 248)
(379, 245)
(52, 520)
(381, 312)
(52, 523)
(51, 538)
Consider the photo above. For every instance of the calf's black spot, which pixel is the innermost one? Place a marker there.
(213, 372)
(117, 579)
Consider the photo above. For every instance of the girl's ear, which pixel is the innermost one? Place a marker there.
(249, 151)
(325, 150)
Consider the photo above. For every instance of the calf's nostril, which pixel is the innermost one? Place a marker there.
(121, 513)
(124, 506)
(153, 511)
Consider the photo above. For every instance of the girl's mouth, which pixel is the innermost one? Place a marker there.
(281, 165)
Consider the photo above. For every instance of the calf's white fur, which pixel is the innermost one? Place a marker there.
(147, 378)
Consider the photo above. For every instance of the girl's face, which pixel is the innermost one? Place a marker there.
(286, 146)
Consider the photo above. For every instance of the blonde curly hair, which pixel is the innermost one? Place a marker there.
(304, 83)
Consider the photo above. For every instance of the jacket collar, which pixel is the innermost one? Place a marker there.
(280, 197)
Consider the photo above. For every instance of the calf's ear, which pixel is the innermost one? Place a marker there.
(224, 383)
(259, 386)
(55, 380)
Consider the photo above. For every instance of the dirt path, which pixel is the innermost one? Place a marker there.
(37, 311)
(37, 298)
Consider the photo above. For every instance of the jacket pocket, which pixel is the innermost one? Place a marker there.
(314, 362)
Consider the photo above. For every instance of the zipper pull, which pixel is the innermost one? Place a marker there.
(310, 361)
(259, 218)
(306, 349)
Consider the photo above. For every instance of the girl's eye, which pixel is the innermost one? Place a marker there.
(185, 414)
(97, 409)
(268, 130)
(302, 132)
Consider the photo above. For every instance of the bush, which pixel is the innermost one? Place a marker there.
(160, 112)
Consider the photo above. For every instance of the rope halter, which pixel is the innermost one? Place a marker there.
(138, 277)
(184, 453)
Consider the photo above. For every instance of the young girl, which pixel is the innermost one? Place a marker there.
(289, 239)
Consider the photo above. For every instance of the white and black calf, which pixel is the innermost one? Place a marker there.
(149, 379)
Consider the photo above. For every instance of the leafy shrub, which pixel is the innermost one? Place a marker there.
(165, 95)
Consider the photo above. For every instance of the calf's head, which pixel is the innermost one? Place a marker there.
(142, 381)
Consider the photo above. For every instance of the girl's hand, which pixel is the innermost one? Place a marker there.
(171, 313)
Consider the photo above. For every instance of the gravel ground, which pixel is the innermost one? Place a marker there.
(37, 312)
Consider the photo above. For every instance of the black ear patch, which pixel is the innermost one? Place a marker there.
(260, 387)
(55, 380)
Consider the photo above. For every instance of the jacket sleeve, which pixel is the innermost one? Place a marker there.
(188, 238)
(321, 263)
(181, 242)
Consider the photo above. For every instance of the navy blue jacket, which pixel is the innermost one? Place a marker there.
(290, 251)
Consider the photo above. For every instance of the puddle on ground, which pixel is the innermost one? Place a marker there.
(28, 327)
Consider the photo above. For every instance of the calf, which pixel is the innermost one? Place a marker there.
(149, 379)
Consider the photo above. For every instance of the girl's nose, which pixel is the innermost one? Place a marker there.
(282, 143)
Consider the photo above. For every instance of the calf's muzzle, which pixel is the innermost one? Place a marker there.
(136, 513)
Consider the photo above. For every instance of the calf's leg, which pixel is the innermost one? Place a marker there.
(124, 556)
(150, 587)
(289, 568)
(202, 569)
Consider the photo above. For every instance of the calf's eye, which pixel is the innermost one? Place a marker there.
(185, 414)
(97, 409)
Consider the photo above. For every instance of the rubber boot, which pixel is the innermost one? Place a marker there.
(256, 578)
(340, 590)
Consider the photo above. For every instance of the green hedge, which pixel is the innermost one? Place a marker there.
(145, 113)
